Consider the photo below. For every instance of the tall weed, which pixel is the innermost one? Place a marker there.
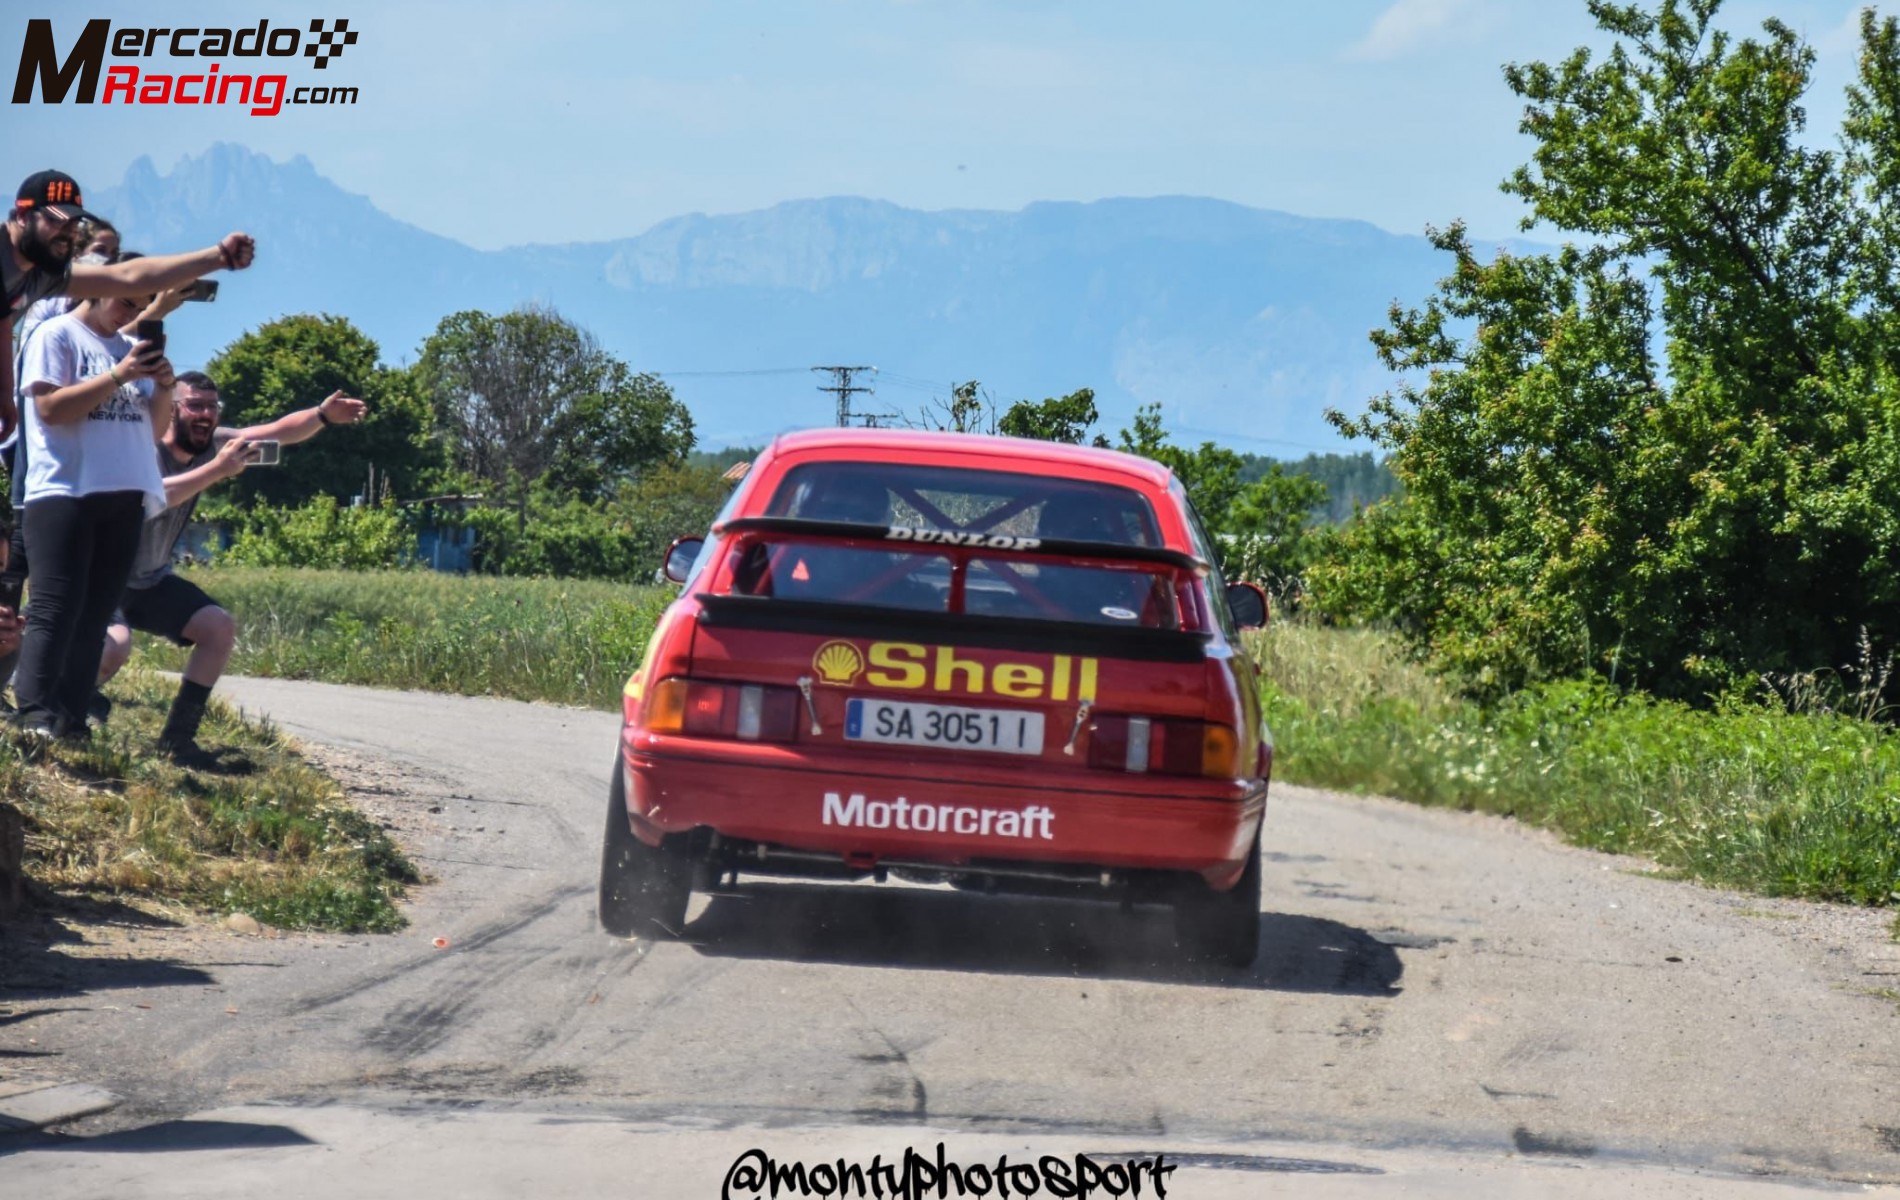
(1750, 796)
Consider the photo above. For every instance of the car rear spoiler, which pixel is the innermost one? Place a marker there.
(903, 537)
(826, 619)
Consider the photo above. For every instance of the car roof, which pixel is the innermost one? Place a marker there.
(1003, 453)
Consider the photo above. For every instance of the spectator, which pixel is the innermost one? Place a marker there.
(196, 453)
(101, 239)
(13, 558)
(101, 242)
(36, 262)
(97, 405)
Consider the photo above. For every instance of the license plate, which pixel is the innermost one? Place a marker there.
(946, 726)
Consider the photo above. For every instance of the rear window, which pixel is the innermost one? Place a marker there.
(945, 498)
(969, 502)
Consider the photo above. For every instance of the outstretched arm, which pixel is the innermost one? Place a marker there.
(306, 423)
(160, 272)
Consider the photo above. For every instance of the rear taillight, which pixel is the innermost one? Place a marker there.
(1170, 747)
(750, 712)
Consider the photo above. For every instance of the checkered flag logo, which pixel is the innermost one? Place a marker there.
(329, 43)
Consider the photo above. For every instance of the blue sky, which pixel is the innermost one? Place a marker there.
(568, 120)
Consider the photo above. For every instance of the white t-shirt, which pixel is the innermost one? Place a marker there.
(111, 450)
(41, 312)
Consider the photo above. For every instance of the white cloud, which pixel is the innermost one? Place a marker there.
(1404, 27)
(1843, 40)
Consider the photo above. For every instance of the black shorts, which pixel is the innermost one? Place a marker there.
(165, 608)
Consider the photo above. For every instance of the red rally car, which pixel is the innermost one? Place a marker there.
(1006, 664)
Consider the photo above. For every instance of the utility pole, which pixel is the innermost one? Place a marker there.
(844, 390)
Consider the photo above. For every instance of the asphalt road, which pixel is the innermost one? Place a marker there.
(1429, 983)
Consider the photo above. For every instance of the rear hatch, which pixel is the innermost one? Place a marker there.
(958, 629)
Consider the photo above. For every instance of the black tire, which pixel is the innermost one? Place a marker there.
(643, 889)
(1222, 927)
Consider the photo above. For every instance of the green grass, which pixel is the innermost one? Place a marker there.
(1785, 804)
(568, 641)
(268, 834)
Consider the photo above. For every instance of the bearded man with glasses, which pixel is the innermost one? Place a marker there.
(196, 453)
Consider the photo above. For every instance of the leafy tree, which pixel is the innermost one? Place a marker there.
(1210, 474)
(632, 424)
(1055, 419)
(1270, 531)
(1352, 481)
(293, 363)
(1668, 456)
(969, 410)
(529, 396)
(624, 538)
(1264, 528)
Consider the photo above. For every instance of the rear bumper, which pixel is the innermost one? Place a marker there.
(868, 810)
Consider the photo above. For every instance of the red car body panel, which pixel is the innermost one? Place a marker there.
(866, 803)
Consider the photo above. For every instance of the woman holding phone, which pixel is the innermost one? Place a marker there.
(99, 403)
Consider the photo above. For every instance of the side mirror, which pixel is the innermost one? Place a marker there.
(1248, 604)
(680, 556)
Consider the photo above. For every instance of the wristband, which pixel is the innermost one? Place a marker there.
(230, 264)
(325, 418)
(113, 371)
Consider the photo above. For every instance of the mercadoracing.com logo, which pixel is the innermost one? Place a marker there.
(239, 83)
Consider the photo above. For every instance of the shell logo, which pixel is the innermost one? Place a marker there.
(838, 663)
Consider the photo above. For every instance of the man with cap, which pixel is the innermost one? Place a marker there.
(37, 261)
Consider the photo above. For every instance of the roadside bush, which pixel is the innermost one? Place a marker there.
(321, 534)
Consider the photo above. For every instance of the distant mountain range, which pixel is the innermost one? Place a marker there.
(1243, 323)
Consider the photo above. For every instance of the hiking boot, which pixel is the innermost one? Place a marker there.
(98, 710)
(181, 724)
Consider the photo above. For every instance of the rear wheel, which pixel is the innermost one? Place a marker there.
(643, 889)
(1222, 927)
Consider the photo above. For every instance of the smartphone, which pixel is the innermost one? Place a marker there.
(153, 332)
(266, 453)
(204, 289)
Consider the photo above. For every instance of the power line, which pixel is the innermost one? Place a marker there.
(912, 380)
(714, 374)
(927, 389)
(1336, 448)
